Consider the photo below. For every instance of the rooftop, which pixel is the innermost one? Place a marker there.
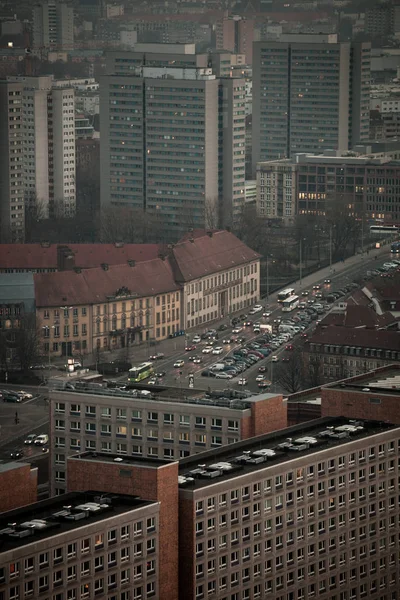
(92, 286)
(87, 256)
(10, 465)
(384, 381)
(361, 338)
(232, 399)
(201, 253)
(214, 466)
(132, 461)
(61, 514)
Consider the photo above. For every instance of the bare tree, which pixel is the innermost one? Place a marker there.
(130, 225)
(290, 375)
(315, 375)
(342, 220)
(27, 341)
(212, 217)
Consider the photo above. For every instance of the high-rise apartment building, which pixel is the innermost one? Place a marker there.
(37, 162)
(53, 25)
(235, 33)
(310, 93)
(12, 212)
(167, 126)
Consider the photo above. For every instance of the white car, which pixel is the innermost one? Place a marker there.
(242, 381)
(257, 307)
(267, 314)
(152, 381)
(223, 375)
(25, 395)
(218, 350)
(178, 364)
(260, 378)
(275, 358)
(207, 350)
(196, 339)
(236, 330)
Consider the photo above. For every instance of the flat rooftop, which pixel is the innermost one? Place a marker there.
(214, 466)
(385, 383)
(42, 520)
(118, 459)
(10, 465)
(229, 398)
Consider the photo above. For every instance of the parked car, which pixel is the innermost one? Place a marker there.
(223, 375)
(179, 363)
(41, 439)
(10, 397)
(30, 438)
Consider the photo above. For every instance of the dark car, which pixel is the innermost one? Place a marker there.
(159, 374)
(208, 373)
(11, 397)
(222, 327)
(16, 454)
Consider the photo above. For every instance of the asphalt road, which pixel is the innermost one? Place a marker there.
(33, 414)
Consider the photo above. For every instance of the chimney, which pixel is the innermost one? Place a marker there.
(131, 263)
(210, 234)
(78, 269)
(104, 266)
(65, 258)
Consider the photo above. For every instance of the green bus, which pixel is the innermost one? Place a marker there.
(140, 372)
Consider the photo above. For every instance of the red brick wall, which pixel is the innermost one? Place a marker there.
(357, 405)
(18, 487)
(246, 427)
(187, 559)
(268, 415)
(150, 483)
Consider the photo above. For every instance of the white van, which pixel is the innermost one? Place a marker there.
(41, 439)
(218, 367)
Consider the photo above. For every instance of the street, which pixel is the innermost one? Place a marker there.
(33, 414)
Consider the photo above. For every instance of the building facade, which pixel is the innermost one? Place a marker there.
(172, 137)
(167, 427)
(306, 184)
(310, 93)
(41, 178)
(18, 485)
(82, 546)
(318, 518)
(53, 25)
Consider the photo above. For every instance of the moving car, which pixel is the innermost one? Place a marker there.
(197, 360)
(327, 281)
(152, 381)
(262, 369)
(207, 350)
(275, 358)
(218, 350)
(157, 356)
(160, 374)
(190, 348)
(196, 339)
(30, 438)
(179, 363)
(266, 314)
(305, 293)
(260, 378)
(264, 384)
(15, 454)
(242, 381)
(41, 439)
(24, 395)
(236, 330)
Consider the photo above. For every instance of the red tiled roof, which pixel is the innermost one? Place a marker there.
(87, 256)
(199, 254)
(364, 338)
(91, 286)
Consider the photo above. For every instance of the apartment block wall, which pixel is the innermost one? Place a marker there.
(158, 483)
(268, 415)
(360, 405)
(18, 487)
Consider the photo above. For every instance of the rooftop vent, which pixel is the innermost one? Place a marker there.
(104, 266)
(131, 263)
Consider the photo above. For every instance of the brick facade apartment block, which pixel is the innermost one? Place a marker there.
(309, 512)
(153, 479)
(114, 422)
(18, 485)
(81, 546)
